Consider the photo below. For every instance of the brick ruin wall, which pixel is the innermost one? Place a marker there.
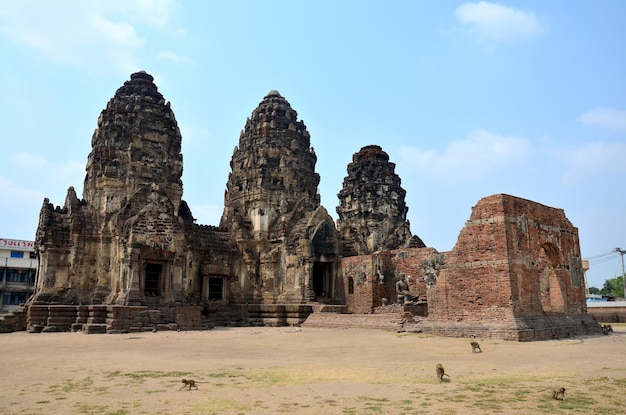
(515, 272)
(369, 280)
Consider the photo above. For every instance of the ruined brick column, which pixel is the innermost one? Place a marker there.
(514, 273)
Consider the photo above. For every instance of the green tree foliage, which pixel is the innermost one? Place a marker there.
(594, 290)
(614, 287)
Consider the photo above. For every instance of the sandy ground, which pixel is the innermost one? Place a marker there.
(306, 371)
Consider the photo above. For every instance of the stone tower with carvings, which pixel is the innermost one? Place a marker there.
(372, 211)
(124, 242)
(288, 242)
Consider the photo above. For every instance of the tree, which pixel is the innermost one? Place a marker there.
(614, 287)
(594, 290)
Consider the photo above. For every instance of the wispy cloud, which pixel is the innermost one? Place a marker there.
(480, 154)
(56, 177)
(494, 22)
(10, 191)
(172, 56)
(88, 35)
(595, 161)
(611, 118)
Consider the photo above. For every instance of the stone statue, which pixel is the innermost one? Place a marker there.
(430, 268)
(379, 271)
(402, 289)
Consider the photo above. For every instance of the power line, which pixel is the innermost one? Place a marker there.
(601, 256)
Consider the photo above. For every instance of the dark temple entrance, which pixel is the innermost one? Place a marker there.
(322, 276)
(153, 280)
(216, 288)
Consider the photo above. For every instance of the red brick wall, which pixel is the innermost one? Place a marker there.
(514, 258)
(369, 290)
(359, 272)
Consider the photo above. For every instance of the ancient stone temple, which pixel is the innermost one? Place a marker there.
(129, 256)
(118, 243)
(288, 243)
(372, 211)
(131, 240)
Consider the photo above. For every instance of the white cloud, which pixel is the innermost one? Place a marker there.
(116, 33)
(50, 175)
(496, 22)
(479, 155)
(172, 56)
(605, 117)
(597, 160)
(32, 161)
(95, 34)
(17, 195)
(156, 13)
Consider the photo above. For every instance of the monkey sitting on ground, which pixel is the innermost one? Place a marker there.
(440, 372)
(558, 393)
(476, 347)
(606, 329)
(188, 383)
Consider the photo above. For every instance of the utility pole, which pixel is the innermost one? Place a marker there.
(622, 252)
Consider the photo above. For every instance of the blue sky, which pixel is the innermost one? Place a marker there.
(468, 99)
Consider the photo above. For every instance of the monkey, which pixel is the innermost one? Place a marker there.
(188, 383)
(558, 393)
(475, 347)
(440, 372)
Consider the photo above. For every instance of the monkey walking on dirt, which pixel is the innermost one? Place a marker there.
(475, 347)
(440, 372)
(188, 383)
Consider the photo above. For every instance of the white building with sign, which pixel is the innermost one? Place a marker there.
(17, 272)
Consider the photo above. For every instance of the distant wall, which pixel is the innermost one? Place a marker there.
(608, 312)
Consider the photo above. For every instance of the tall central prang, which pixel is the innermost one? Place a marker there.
(273, 170)
(272, 208)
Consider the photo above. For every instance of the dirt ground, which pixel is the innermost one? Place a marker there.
(307, 371)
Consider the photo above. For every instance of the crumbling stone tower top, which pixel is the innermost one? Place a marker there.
(137, 144)
(372, 209)
(273, 169)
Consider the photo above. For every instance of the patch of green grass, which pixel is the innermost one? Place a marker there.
(139, 377)
(155, 391)
(489, 405)
(67, 386)
(89, 409)
(219, 406)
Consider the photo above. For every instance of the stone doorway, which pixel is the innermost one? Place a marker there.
(322, 280)
(152, 283)
(216, 288)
